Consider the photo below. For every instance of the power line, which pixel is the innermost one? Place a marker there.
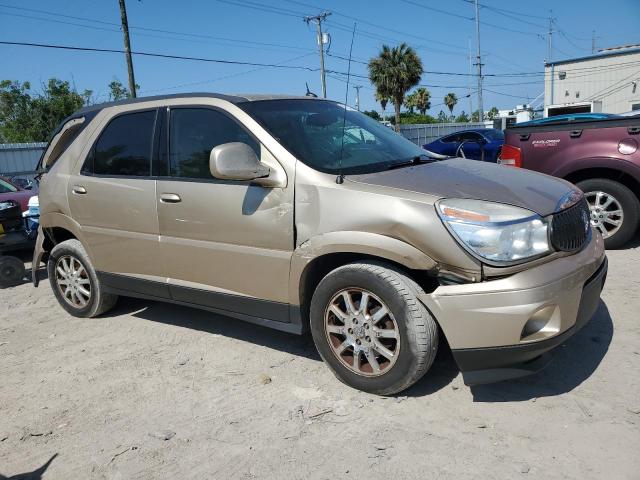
(381, 27)
(160, 55)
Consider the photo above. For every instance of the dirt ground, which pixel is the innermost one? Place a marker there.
(160, 391)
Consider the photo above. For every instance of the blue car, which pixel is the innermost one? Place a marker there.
(477, 144)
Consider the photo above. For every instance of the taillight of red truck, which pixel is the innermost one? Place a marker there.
(510, 156)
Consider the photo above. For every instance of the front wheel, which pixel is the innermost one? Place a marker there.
(370, 328)
(615, 210)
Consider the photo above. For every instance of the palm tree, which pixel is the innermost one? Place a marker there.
(382, 99)
(450, 101)
(422, 100)
(410, 102)
(394, 71)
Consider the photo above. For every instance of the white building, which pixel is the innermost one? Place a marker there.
(604, 82)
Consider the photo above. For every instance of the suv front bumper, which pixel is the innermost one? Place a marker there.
(505, 328)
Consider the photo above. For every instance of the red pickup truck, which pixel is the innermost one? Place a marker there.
(601, 157)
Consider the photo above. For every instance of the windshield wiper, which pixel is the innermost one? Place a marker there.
(417, 160)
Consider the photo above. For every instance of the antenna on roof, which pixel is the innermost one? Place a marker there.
(340, 178)
(309, 92)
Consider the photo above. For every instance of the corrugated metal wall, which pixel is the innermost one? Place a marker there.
(19, 158)
(425, 133)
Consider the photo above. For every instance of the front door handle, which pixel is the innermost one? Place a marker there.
(170, 198)
(79, 190)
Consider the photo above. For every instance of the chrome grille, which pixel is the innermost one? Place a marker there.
(570, 228)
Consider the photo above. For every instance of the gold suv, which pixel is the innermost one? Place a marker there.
(297, 213)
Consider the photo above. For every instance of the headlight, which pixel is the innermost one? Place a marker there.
(7, 205)
(494, 231)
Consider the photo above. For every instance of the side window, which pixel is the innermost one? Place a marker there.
(124, 147)
(193, 132)
(451, 138)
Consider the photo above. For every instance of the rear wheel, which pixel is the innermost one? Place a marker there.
(75, 283)
(615, 210)
(370, 328)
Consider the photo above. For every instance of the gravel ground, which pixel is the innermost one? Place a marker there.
(160, 391)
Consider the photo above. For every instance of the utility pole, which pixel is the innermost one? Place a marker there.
(127, 48)
(470, 58)
(319, 19)
(479, 63)
(593, 41)
(549, 40)
(357, 87)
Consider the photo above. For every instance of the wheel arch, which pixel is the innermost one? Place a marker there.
(314, 259)
(605, 172)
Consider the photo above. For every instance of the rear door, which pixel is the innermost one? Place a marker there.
(113, 198)
(225, 244)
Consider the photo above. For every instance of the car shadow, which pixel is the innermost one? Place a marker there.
(573, 363)
(34, 475)
(208, 322)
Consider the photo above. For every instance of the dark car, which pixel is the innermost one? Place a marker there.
(602, 157)
(9, 191)
(569, 117)
(477, 144)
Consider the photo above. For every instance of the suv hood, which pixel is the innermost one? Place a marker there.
(460, 178)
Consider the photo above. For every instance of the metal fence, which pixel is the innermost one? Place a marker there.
(19, 158)
(425, 133)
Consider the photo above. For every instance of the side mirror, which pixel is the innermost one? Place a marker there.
(236, 161)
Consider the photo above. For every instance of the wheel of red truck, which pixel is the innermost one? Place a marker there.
(370, 328)
(615, 210)
(75, 283)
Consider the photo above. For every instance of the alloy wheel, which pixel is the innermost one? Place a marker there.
(605, 211)
(362, 332)
(73, 281)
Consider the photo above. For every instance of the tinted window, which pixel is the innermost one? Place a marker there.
(124, 148)
(193, 133)
(493, 134)
(451, 139)
(331, 139)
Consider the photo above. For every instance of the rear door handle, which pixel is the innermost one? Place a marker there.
(575, 133)
(79, 190)
(524, 136)
(633, 130)
(170, 198)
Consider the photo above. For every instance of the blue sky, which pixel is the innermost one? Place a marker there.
(272, 31)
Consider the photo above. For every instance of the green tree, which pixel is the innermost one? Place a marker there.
(422, 100)
(410, 102)
(28, 118)
(117, 91)
(462, 118)
(373, 114)
(493, 113)
(450, 101)
(382, 99)
(475, 116)
(394, 72)
(442, 117)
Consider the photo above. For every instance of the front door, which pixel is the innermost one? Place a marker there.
(225, 244)
(113, 199)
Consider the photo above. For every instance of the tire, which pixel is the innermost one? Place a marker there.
(12, 271)
(629, 204)
(71, 253)
(415, 328)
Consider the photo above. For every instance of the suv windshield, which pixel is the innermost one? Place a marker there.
(312, 130)
(6, 187)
